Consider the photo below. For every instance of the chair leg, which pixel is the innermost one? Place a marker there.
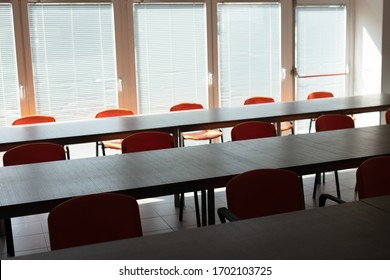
(336, 176)
(97, 149)
(103, 150)
(181, 207)
(67, 151)
(310, 124)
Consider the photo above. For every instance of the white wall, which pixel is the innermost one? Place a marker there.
(368, 46)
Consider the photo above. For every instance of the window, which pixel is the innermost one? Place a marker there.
(9, 85)
(249, 48)
(171, 55)
(73, 58)
(321, 52)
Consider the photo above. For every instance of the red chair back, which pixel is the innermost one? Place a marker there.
(147, 141)
(320, 94)
(186, 106)
(252, 130)
(33, 153)
(92, 219)
(263, 192)
(387, 116)
(373, 177)
(34, 119)
(258, 100)
(114, 113)
(333, 122)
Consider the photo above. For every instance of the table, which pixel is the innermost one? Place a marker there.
(37, 188)
(355, 230)
(65, 133)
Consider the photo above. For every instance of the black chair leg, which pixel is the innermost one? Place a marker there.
(336, 176)
(67, 151)
(103, 150)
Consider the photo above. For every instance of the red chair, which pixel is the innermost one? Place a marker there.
(154, 140)
(33, 153)
(316, 95)
(285, 126)
(116, 144)
(262, 192)
(36, 119)
(372, 179)
(147, 141)
(27, 154)
(252, 130)
(92, 219)
(208, 134)
(332, 122)
(258, 100)
(387, 116)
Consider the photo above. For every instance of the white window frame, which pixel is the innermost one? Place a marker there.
(349, 40)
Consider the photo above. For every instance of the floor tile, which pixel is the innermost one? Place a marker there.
(29, 242)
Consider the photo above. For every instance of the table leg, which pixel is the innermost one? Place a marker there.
(279, 128)
(204, 208)
(211, 206)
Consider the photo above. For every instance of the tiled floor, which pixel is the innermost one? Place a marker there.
(159, 214)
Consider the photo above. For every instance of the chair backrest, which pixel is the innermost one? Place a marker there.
(93, 218)
(258, 100)
(333, 122)
(147, 141)
(186, 106)
(33, 153)
(387, 116)
(34, 119)
(373, 177)
(114, 113)
(252, 130)
(320, 94)
(263, 192)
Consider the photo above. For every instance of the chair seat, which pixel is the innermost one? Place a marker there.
(202, 135)
(117, 145)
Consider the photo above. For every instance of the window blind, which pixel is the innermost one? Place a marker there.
(249, 49)
(171, 55)
(9, 84)
(73, 57)
(321, 49)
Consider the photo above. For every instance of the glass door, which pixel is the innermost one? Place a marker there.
(321, 62)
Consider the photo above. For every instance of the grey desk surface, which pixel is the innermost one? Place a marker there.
(36, 188)
(112, 128)
(355, 230)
